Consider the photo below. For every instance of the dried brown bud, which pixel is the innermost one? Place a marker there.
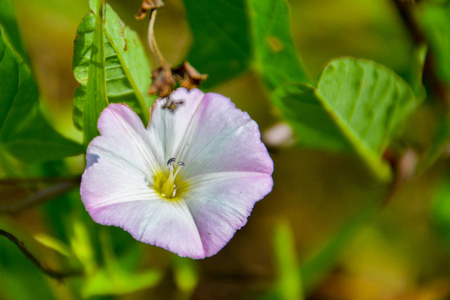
(148, 5)
(189, 77)
(164, 79)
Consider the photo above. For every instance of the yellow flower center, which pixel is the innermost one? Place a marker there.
(168, 184)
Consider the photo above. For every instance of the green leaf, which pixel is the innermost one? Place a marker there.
(276, 58)
(289, 285)
(116, 277)
(8, 21)
(89, 60)
(357, 107)
(53, 243)
(232, 36)
(185, 275)
(24, 132)
(435, 17)
(221, 45)
(116, 282)
(116, 71)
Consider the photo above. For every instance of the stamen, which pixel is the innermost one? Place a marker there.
(180, 165)
(169, 188)
(174, 190)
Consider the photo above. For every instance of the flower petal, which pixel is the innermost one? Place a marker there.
(115, 186)
(127, 137)
(119, 163)
(157, 222)
(223, 138)
(221, 203)
(168, 127)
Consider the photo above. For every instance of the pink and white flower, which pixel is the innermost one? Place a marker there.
(185, 183)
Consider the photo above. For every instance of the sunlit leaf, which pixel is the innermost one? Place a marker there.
(111, 66)
(357, 107)
(53, 243)
(90, 99)
(276, 58)
(113, 282)
(24, 132)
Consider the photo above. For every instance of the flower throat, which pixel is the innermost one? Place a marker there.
(167, 184)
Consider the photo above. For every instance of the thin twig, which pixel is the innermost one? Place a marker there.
(40, 196)
(24, 181)
(58, 275)
(154, 49)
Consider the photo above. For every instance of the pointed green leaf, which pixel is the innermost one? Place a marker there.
(118, 69)
(24, 132)
(53, 243)
(276, 58)
(358, 106)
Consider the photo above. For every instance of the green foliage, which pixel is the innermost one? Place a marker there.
(317, 266)
(441, 209)
(358, 106)
(17, 272)
(256, 34)
(435, 17)
(115, 277)
(186, 275)
(8, 21)
(220, 51)
(24, 132)
(111, 66)
(276, 58)
(289, 285)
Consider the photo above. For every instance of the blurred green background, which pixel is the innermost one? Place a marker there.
(326, 229)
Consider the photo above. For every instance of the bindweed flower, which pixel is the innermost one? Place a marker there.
(185, 183)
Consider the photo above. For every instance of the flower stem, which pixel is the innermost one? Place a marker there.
(154, 49)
